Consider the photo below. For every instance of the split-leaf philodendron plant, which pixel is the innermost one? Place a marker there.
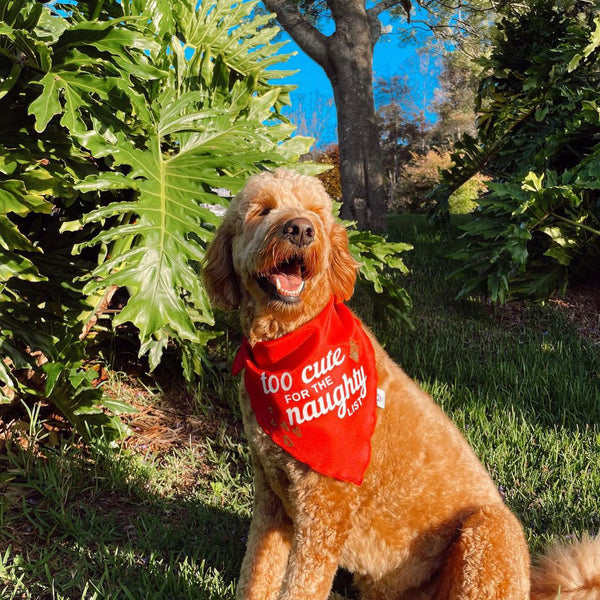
(121, 122)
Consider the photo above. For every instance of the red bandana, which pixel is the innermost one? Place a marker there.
(314, 392)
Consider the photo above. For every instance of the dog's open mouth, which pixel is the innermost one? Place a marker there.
(286, 281)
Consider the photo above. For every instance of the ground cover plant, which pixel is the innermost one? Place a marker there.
(166, 516)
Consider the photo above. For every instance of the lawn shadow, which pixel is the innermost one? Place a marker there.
(81, 522)
(85, 521)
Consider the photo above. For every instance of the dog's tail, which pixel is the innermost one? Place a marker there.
(568, 572)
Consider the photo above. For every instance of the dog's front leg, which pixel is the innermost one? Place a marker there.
(322, 521)
(269, 543)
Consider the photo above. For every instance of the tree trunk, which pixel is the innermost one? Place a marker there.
(347, 58)
(350, 71)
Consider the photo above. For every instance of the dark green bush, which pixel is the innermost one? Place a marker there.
(539, 141)
(119, 119)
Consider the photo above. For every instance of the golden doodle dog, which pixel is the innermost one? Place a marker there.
(355, 465)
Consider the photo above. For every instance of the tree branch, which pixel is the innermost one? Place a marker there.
(308, 37)
(384, 5)
(374, 12)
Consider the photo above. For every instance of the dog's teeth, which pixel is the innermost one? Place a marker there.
(278, 284)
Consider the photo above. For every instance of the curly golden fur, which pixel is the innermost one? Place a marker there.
(428, 522)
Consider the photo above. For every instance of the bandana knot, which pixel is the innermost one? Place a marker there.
(314, 392)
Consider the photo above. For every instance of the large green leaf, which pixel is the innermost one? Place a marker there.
(194, 128)
(81, 81)
(169, 220)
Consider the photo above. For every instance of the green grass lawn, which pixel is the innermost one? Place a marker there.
(144, 523)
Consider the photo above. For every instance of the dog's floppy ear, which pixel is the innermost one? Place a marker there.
(218, 274)
(343, 266)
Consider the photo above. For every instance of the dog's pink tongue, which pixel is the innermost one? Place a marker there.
(289, 278)
(288, 282)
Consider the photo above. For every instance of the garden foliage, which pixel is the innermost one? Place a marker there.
(539, 141)
(422, 173)
(119, 122)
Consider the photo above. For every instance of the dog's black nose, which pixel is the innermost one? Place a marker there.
(299, 232)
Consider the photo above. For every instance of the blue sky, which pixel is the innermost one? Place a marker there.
(390, 58)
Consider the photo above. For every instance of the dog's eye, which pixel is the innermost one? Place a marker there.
(264, 212)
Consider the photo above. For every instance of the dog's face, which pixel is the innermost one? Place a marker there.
(279, 249)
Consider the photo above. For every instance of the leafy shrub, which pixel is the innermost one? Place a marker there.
(419, 176)
(331, 178)
(120, 120)
(422, 174)
(464, 200)
(378, 259)
(538, 140)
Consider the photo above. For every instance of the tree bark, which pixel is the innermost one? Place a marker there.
(347, 58)
(351, 74)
